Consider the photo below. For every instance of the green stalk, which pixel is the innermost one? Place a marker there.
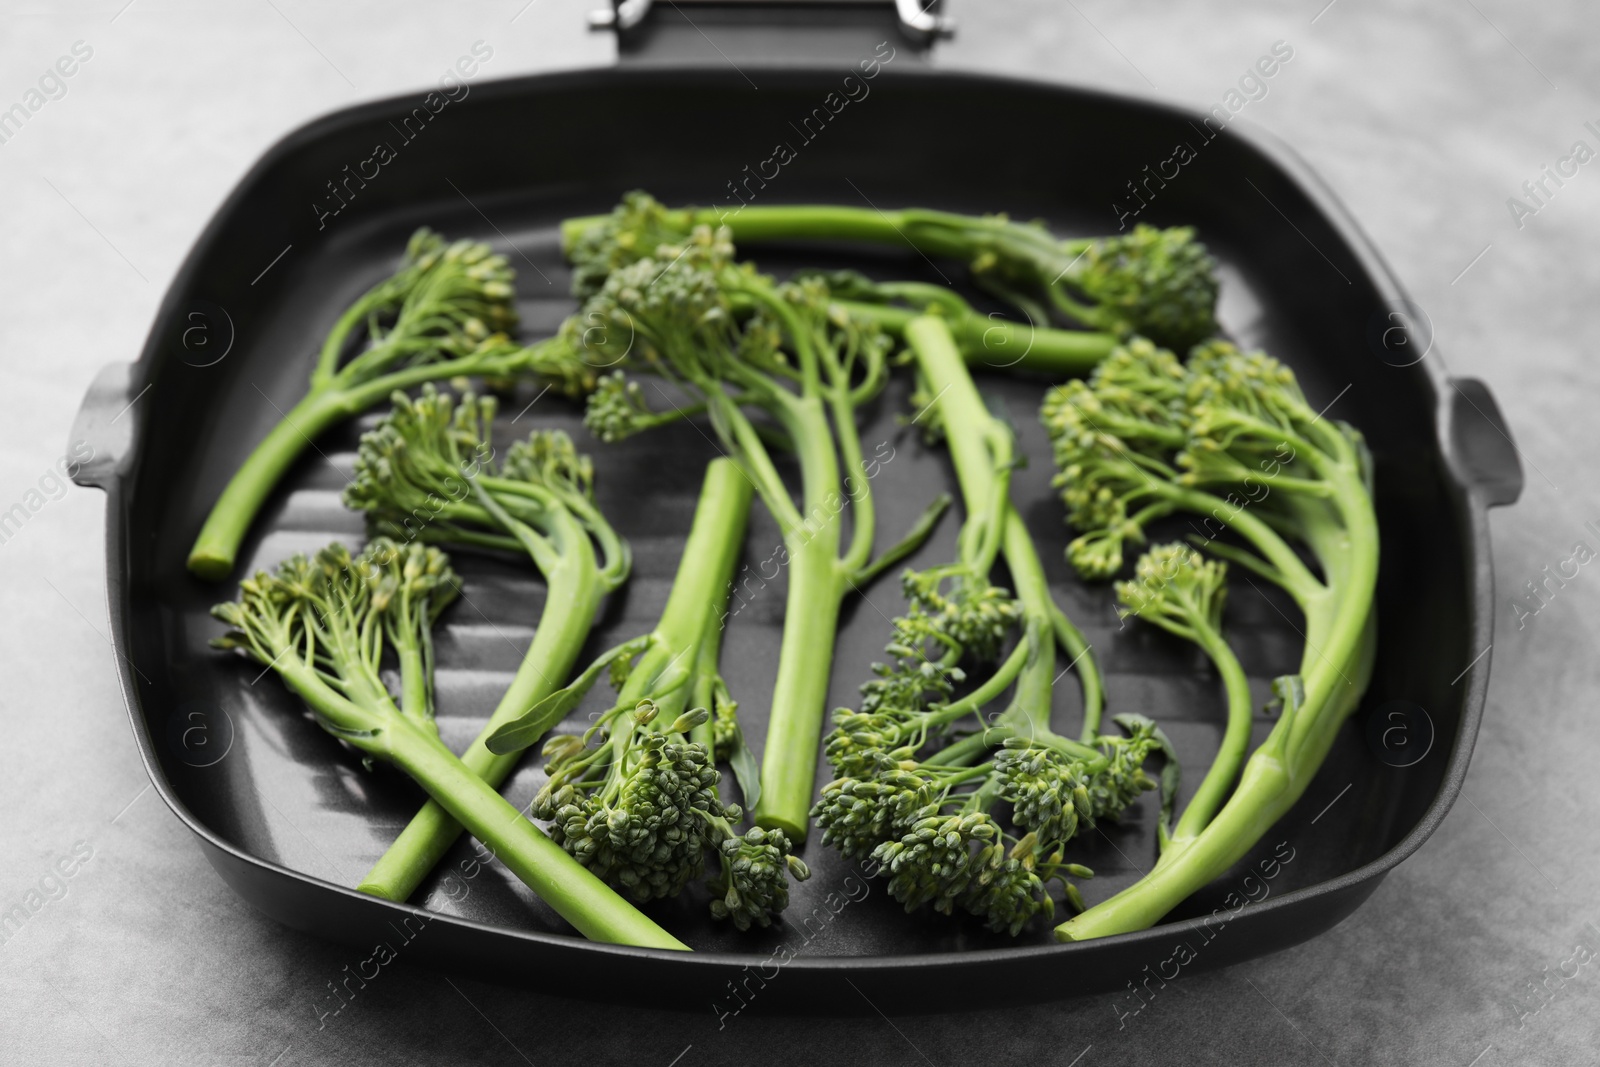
(706, 659)
(966, 418)
(1213, 789)
(1356, 583)
(217, 545)
(586, 902)
(572, 596)
(816, 590)
(998, 344)
(773, 223)
(699, 590)
(1094, 694)
(329, 402)
(1270, 785)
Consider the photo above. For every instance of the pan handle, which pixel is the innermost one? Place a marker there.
(728, 31)
(104, 426)
(917, 17)
(1481, 448)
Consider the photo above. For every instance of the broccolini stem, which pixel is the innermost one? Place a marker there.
(1355, 587)
(1219, 779)
(577, 895)
(811, 619)
(1268, 788)
(593, 907)
(217, 545)
(999, 344)
(967, 425)
(1094, 695)
(863, 513)
(1340, 639)
(216, 548)
(706, 672)
(783, 222)
(693, 615)
(416, 701)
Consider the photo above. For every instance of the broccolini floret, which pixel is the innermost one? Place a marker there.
(634, 798)
(766, 362)
(1157, 283)
(926, 771)
(327, 626)
(444, 314)
(1147, 436)
(428, 473)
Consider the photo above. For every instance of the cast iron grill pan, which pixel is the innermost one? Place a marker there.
(290, 820)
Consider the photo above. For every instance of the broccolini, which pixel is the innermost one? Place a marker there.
(1155, 283)
(932, 819)
(427, 472)
(442, 315)
(806, 368)
(1148, 436)
(635, 798)
(324, 625)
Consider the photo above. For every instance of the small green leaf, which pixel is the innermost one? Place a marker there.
(527, 728)
(1171, 769)
(1290, 693)
(746, 769)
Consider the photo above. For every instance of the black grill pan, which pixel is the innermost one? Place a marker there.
(290, 821)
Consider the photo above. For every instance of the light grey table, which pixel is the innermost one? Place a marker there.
(1424, 117)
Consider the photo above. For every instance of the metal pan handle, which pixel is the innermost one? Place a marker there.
(733, 31)
(917, 19)
(1481, 448)
(104, 426)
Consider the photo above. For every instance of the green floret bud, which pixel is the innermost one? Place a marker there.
(1124, 779)
(417, 456)
(950, 619)
(1176, 588)
(961, 860)
(1158, 283)
(617, 409)
(1007, 893)
(937, 859)
(859, 814)
(549, 458)
(975, 616)
(725, 732)
(458, 292)
(1098, 553)
(1113, 437)
(636, 229)
(1136, 399)
(1048, 793)
(651, 841)
(653, 302)
(1248, 416)
(756, 867)
(864, 743)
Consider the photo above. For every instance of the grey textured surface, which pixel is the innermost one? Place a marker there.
(1423, 117)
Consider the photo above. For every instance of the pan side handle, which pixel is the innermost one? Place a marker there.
(723, 32)
(102, 432)
(1481, 448)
